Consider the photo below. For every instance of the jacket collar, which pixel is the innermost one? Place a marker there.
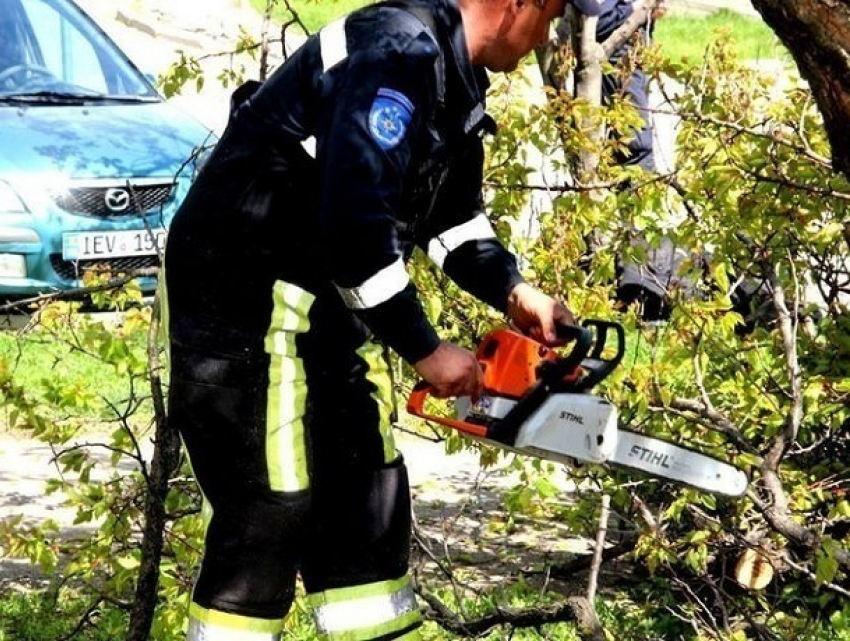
(468, 83)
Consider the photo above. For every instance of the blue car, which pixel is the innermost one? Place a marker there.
(93, 161)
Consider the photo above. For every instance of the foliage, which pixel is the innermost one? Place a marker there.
(32, 617)
(751, 367)
(100, 439)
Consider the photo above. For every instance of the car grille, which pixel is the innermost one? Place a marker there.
(73, 270)
(129, 199)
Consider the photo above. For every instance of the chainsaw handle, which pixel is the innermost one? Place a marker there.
(595, 366)
(569, 364)
(416, 406)
(591, 339)
(573, 332)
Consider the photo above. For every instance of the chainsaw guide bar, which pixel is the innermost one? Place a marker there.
(537, 403)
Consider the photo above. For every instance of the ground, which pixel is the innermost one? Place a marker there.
(453, 496)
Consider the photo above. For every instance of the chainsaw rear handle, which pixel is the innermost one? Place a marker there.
(416, 406)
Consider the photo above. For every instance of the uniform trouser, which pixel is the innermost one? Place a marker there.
(293, 452)
(643, 283)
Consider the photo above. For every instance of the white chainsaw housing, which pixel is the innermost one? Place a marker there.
(569, 427)
(577, 427)
(566, 427)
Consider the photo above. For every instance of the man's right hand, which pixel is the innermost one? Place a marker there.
(451, 371)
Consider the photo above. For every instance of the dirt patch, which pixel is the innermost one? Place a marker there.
(459, 511)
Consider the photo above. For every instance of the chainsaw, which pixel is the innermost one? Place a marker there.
(536, 402)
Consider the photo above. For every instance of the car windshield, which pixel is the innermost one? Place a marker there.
(49, 49)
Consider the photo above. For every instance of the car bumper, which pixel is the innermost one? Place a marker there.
(28, 268)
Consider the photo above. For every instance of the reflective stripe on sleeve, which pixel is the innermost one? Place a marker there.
(333, 44)
(378, 289)
(366, 612)
(474, 118)
(478, 228)
(309, 145)
(211, 625)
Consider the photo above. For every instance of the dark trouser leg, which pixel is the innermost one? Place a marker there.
(356, 555)
(242, 421)
(643, 284)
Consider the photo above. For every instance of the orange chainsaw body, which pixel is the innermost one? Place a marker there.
(511, 363)
(521, 373)
(536, 402)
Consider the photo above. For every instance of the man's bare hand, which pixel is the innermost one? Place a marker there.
(538, 314)
(451, 371)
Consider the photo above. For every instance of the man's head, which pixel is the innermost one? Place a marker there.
(500, 33)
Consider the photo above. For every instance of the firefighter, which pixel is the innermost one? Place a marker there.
(286, 280)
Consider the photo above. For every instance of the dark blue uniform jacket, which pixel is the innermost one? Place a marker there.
(364, 144)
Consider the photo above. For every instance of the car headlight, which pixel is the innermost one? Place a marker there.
(10, 202)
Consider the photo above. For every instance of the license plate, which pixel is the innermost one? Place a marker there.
(112, 244)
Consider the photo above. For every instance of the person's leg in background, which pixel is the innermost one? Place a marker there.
(645, 284)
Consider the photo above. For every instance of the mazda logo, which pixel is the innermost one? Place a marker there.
(117, 199)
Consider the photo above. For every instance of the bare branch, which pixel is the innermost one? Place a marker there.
(641, 12)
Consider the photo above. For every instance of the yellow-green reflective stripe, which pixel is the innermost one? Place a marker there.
(286, 451)
(206, 512)
(378, 374)
(365, 612)
(164, 315)
(378, 588)
(235, 621)
(373, 632)
(287, 394)
(290, 309)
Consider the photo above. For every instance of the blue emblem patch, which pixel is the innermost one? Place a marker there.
(389, 117)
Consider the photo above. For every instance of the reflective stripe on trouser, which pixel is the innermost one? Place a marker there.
(287, 395)
(379, 375)
(209, 625)
(243, 426)
(386, 609)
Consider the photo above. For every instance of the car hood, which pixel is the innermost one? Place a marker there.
(97, 141)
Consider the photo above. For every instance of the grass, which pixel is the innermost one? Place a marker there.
(686, 37)
(56, 373)
(680, 36)
(313, 13)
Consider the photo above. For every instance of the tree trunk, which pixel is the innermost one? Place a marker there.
(166, 457)
(817, 33)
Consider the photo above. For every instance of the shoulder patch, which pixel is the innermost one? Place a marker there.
(389, 117)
